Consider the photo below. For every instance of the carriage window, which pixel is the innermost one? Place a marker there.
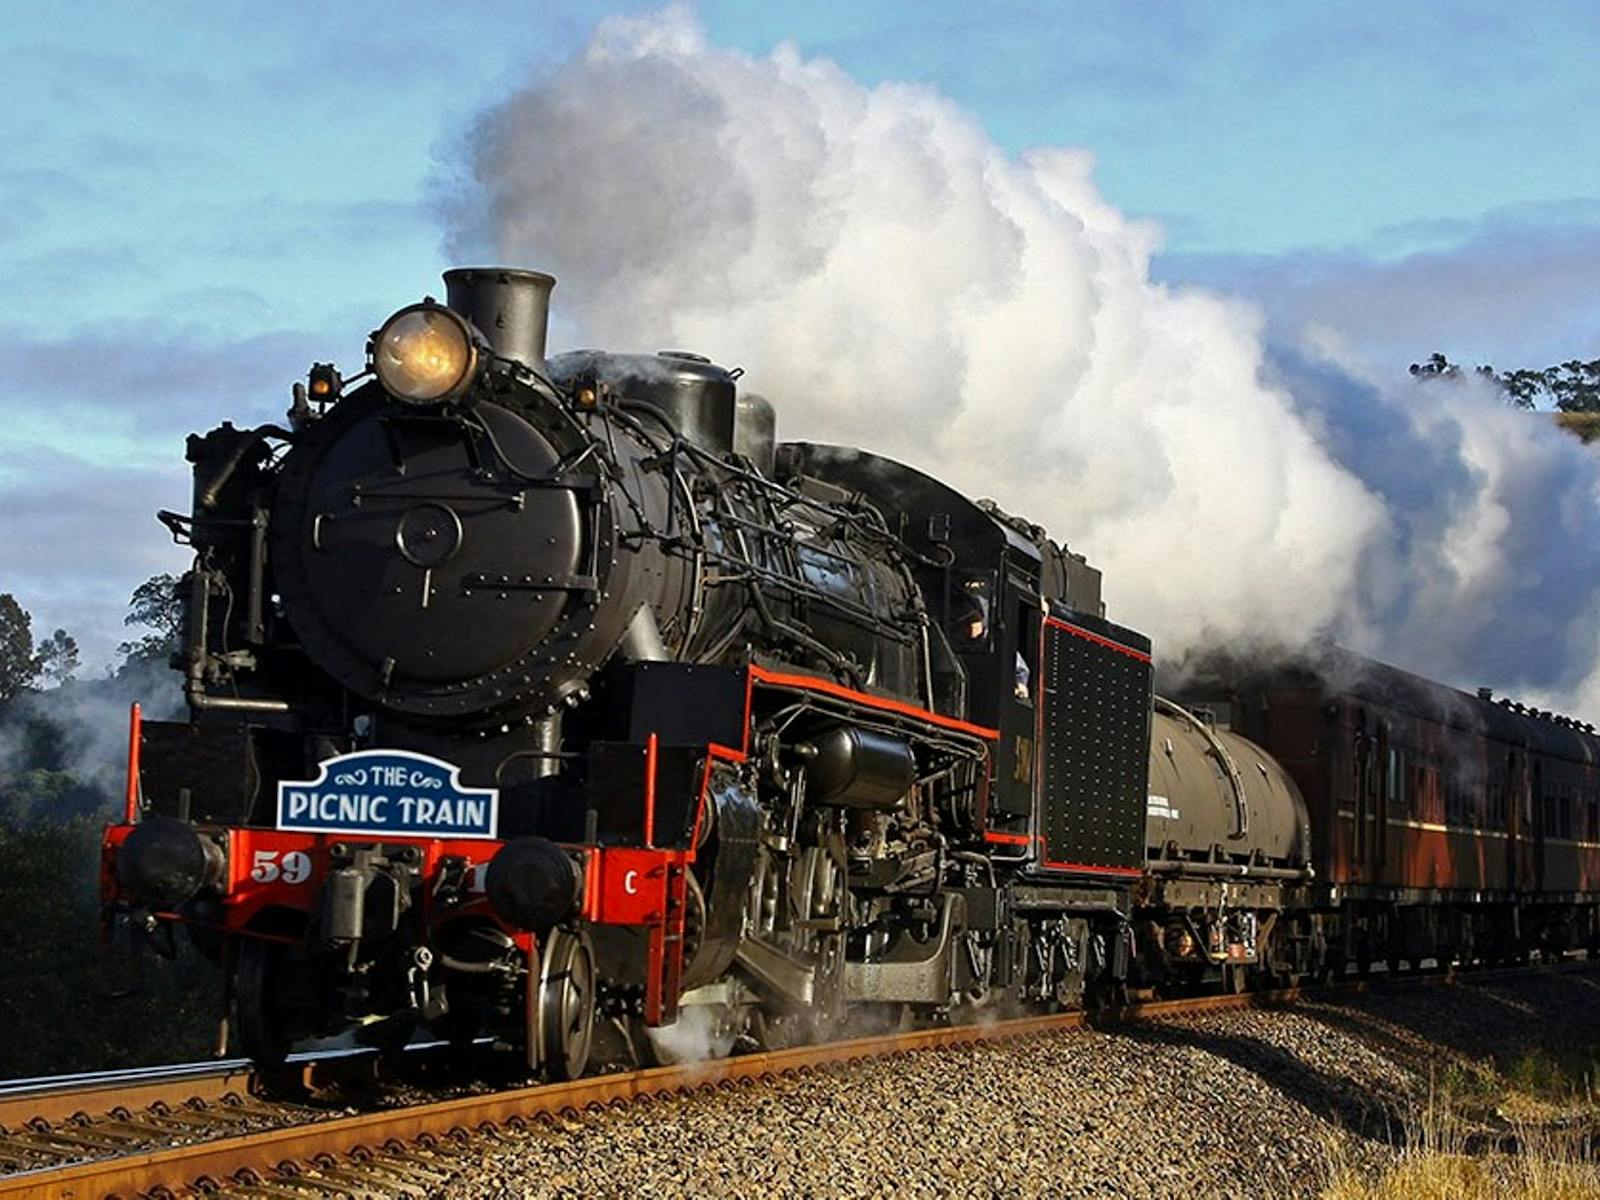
(1503, 807)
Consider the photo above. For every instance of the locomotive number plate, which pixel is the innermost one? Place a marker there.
(388, 792)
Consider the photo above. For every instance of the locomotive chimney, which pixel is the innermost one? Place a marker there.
(508, 306)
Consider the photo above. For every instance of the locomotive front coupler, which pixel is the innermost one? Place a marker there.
(367, 893)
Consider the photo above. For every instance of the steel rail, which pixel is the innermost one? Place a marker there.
(52, 1098)
(60, 1097)
(365, 1137)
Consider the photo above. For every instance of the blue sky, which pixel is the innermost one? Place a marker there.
(198, 199)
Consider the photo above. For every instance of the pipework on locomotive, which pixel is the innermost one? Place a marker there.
(550, 698)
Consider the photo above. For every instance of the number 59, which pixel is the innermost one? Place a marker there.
(270, 865)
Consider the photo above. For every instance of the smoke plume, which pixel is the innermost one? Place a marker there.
(893, 279)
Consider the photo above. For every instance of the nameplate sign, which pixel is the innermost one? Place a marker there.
(388, 792)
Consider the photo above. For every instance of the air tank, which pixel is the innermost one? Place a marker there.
(851, 767)
(1210, 787)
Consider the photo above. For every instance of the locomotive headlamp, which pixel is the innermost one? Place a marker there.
(424, 354)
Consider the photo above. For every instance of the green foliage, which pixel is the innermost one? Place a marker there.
(1470, 1086)
(157, 605)
(60, 1016)
(1437, 366)
(19, 664)
(60, 771)
(1575, 385)
(41, 796)
(1562, 1074)
(58, 657)
(1569, 387)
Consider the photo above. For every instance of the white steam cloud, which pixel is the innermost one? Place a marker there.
(893, 279)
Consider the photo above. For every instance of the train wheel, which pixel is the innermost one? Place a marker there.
(1235, 978)
(566, 1004)
(1282, 980)
(257, 1015)
(1105, 998)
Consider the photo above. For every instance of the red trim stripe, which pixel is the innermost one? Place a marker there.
(1007, 839)
(591, 883)
(1087, 869)
(650, 791)
(1024, 839)
(1098, 640)
(829, 688)
(135, 726)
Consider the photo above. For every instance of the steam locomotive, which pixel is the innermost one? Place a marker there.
(552, 698)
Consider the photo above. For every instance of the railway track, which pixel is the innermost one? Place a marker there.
(202, 1129)
(57, 1121)
(25, 1102)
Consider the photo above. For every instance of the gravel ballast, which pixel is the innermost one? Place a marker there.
(1246, 1103)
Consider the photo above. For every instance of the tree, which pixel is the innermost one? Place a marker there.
(157, 605)
(19, 665)
(1575, 384)
(1522, 388)
(1569, 387)
(1437, 366)
(58, 657)
(156, 602)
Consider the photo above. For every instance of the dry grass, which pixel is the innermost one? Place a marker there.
(1584, 425)
(1530, 1134)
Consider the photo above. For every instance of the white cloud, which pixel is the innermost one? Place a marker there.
(1514, 289)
